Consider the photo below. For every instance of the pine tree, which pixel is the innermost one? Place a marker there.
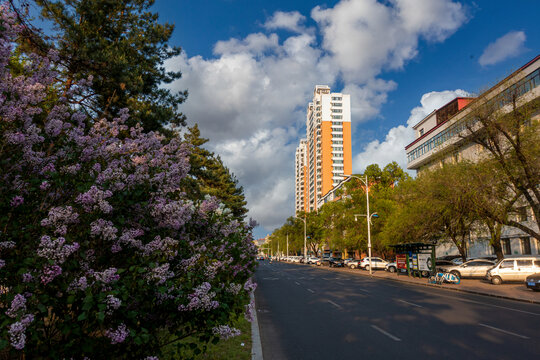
(212, 177)
(121, 44)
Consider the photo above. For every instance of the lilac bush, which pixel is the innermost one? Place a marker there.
(102, 254)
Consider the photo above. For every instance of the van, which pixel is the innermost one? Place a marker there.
(514, 269)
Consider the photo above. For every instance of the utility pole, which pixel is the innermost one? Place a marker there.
(287, 244)
(278, 250)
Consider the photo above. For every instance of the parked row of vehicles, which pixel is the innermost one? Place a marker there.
(512, 268)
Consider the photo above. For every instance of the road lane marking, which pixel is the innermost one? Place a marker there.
(367, 291)
(385, 333)
(270, 278)
(297, 283)
(492, 305)
(311, 291)
(340, 283)
(505, 331)
(333, 303)
(410, 303)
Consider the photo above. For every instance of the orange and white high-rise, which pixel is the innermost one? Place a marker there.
(327, 146)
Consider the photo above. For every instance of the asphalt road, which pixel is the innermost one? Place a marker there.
(305, 312)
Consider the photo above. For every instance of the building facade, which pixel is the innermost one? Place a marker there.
(300, 176)
(328, 143)
(442, 137)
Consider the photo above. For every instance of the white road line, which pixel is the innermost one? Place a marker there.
(311, 291)
(492, 305)
(367, 291)
(410, 303)
(385, 333)
(505, 331)
(333, 303)
(297, 283)
(340, 283)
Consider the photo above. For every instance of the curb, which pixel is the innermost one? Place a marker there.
(256, 347)
(537, 302)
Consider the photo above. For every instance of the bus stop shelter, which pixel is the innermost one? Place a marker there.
(417, 258)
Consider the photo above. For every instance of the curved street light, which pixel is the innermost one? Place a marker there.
(368, 216)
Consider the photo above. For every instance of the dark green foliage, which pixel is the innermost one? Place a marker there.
(212, 177)
(123, 47)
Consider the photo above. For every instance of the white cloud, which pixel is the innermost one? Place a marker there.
(286, 20)
(505, 47)
(250, 97)
(392, 148)
(367, 37)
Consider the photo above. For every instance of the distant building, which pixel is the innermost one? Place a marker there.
(440, 138)
(301, 178)
(328, 145)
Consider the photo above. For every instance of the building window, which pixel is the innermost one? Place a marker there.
(337, 142)
(336, 98)
(337, 116)
(336, 104)
(337, 123)
(421, 132)
(337, 110)
(522, 214)
(337, 135)
(507, 250)
(526, 245)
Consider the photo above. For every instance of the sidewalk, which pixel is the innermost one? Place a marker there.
(512, 291)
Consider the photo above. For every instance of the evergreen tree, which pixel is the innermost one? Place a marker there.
(212, 177)
(121, 45)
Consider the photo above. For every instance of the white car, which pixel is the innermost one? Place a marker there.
(376, 262)
(312, 260)
(472, 268)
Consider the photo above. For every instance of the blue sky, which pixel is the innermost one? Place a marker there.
(250, 67)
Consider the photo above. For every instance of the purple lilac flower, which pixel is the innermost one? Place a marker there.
(17, 201)
(27, 277)
(200, 299)
(49, 273)
(18, 304)
(103, 228)
(78, 284)
(250, 285)
(107, 276)
(249, 314)
(2, 263)
(160, 274)
(56, 250)
(59, 218)
(17, 337)
(225, 332)
(113, 303)
(44, 185)
(117, 336)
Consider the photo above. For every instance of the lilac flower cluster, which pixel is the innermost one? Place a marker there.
(249, 312)
(103, 228)
(17, 201)
(17, 337)
(107, 276)
(49, 273)
(225, 332)
(95, 199)
(18, 304)
(78, 284)
(160, 274)
(59, 217)
(117, 335)
(56, 250)
(113, 303)
(167, 246)
(201, 299)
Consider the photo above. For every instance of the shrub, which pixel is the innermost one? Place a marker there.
(101, 251)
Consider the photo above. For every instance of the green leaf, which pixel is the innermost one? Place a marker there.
(81, 317)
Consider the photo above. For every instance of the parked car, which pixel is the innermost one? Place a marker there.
(346, 261)
(312, 260)
(472, 268)
(353, 264)
(260, 257)
(459, 260)
(533, 282)
(514, 268)
(448, 257)
(332, 262)
(376, 262)
(443, 265)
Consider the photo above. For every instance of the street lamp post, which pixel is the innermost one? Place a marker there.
(305, 238)
(368, 217)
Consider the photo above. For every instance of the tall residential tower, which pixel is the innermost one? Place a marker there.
(328, 145)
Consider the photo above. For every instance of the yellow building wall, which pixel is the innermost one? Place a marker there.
(326, 165)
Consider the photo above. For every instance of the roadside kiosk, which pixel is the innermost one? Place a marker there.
(416, 258)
